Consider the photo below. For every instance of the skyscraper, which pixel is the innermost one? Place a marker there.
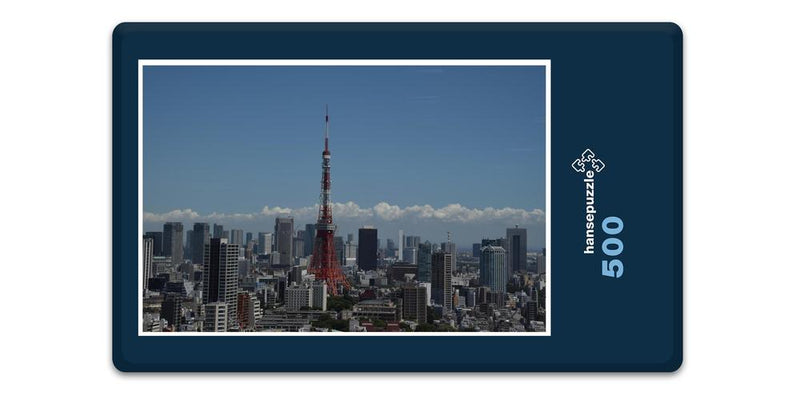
(171, 308)
(476, 250)
(411, 242)
(158, 242)
(237, 237)
(410, 254)
(350, 250)
(517, 242)
(248, 237)
(449, 247)
(221, 275)
(338, 246)
(147, 259)
(367, 248)
(442, 280)
(541, 265)
(424, 261)
(173, 242)
(319, 295)
(401, 240)
(415, 304)
(298, 246)
(200, 237)
(390, 248)
(308, 239)
(218, 231)
(284, 232)
(264, 243)
(493, 268)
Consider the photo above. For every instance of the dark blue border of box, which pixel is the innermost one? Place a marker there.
(616, 88)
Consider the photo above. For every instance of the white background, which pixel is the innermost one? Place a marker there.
(740, 159)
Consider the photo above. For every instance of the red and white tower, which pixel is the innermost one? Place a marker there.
(324, 264)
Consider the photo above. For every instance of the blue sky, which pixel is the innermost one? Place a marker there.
(220, 141)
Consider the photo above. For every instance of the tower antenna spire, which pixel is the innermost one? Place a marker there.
(327, 127)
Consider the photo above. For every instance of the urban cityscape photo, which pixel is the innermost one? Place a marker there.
(403, 199)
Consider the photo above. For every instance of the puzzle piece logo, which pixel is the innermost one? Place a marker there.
(588, 157)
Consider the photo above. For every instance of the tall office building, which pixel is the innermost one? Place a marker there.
(147, 260)
(298, 246)
(476, 250)
(338, 247)
(308, 239)
(415, 304)
(249, 250)
(158, 242)
(173, 242)
(221, 275)
(200, 236)
(517, 242)
(367, 248)
(248, 237)
(424, 261)
(284, 233)
(294, 275)
(218, 231)
(541, 263)
(237, 237)
(216, 319)
(350, 250)
(264, 243)
(401, 237)
(187, 247)
(412, 242)
(171, 308)
(493, 268)
(390, 248)
(449, 247)
(442, 280)
(410, 254)
(319, 295)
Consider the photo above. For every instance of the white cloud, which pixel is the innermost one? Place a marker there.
(387, 211)
(350, 210)
(275, 211)
(383, 211)
(174, 215)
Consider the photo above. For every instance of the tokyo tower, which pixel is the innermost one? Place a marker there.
(324, 264)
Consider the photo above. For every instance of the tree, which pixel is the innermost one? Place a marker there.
(426, 328)
(339, 303)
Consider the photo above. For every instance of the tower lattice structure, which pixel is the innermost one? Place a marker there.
(324, 263)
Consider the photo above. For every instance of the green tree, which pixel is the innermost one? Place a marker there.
(339, 303)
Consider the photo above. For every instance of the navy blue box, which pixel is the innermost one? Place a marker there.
(616, 89)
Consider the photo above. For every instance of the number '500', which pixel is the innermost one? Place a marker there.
(612, 247)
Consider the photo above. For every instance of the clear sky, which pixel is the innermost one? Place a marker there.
(220, 141)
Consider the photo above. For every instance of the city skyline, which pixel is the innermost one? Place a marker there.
(275, 285)
(387, 229)
(200, 166)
